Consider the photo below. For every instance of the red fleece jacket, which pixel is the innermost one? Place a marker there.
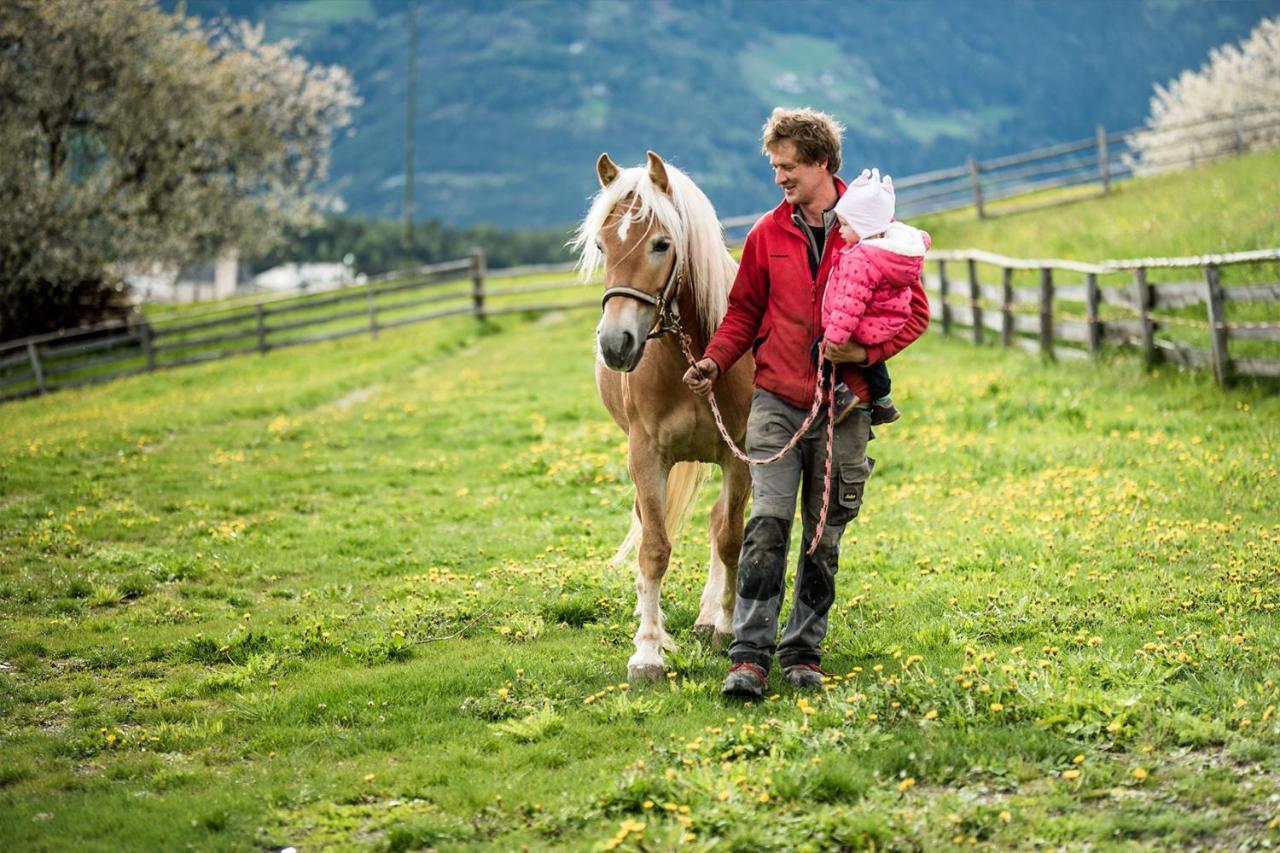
(775, 309)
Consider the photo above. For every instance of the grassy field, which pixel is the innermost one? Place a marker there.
(356, 595)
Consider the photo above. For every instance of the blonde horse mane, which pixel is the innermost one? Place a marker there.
(688, 217)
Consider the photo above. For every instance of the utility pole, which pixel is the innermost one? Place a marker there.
(409, 121)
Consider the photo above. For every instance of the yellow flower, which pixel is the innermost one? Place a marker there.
(1070, 775)
(906, 784)
(1079, 759)
(1006, 817)
(1139, 773)
(368, 777)
(931, 715)
(996, 707)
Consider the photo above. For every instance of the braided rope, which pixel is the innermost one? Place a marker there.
(814, 408)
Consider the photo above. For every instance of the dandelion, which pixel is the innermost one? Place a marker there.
(1005, 817)
(1070, 775)
(906, 784)
(1079, 759)
(996, 707)
(368, 777)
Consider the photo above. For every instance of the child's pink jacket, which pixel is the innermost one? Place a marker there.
(868, 297)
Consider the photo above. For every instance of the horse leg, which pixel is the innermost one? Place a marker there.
(720, 592)
(650, 477)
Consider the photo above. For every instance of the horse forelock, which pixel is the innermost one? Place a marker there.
(685, 214)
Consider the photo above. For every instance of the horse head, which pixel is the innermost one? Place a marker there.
(641, 273)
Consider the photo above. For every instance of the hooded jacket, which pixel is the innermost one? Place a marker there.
(775, 310)
(868, 296)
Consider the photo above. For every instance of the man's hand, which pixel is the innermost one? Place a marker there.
(845, 353)
(701, 375)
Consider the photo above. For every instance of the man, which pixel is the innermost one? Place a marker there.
(775, 310)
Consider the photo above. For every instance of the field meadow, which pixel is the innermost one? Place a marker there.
(357, 595)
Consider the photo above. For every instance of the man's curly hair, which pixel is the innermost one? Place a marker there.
(816, 135)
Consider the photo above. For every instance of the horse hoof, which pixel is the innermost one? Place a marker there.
(645, 673)
(704, 633)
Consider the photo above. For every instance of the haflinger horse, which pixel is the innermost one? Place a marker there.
(666, 273)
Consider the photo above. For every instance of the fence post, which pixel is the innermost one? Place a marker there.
(35, 366)
(1142, 292)
(1104, 164)
(1006, 311)
(976, 183)
(1046, 311)
(943, 287)
(1217, 326)
(1239, 128)
(974, 307)
(477, 282)
(1091, 300)
(373, 309)
(148, 346)
(261, 315)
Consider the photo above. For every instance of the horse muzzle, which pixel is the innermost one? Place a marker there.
(622, 334)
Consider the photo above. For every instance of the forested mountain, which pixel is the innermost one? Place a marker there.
(515, 100)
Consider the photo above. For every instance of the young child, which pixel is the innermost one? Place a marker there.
(868, 296)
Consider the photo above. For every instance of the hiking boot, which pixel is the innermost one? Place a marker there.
(805, 676)
(884, 412)
(745, 679)
(845, 402)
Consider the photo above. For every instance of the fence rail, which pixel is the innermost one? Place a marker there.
(1066, 318)
(73, 358)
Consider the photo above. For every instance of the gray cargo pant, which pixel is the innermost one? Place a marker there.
(763, 564)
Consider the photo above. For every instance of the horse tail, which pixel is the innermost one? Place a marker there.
(682, 488)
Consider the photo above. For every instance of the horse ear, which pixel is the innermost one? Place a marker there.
(658, 173)
(607, 170)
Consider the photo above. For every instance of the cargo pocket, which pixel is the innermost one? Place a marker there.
(847, 487)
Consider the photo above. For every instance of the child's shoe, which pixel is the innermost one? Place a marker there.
(883, 411)
(846, 401)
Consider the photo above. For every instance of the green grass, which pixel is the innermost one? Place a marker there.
(357, 595)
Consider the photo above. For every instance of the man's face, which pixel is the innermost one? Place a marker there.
(801, 182)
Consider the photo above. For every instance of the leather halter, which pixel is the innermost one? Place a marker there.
(668, 319)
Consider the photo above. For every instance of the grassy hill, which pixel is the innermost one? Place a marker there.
(357, 595)
(1228, 206)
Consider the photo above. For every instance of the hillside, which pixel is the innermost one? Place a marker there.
(516, 100)
(1224, 207)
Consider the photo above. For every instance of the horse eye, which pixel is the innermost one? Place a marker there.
(599, 246)
(661, 244)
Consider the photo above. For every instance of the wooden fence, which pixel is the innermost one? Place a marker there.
(1101, 160)
(76, 357)
(1071, 310)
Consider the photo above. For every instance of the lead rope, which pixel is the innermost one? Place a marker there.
(791, 443)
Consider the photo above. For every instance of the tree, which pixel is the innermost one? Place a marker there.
(1232, 103)
(132, 136)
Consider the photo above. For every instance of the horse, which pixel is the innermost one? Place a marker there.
(667, 273)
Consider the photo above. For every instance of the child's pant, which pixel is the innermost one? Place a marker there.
(878, 384)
